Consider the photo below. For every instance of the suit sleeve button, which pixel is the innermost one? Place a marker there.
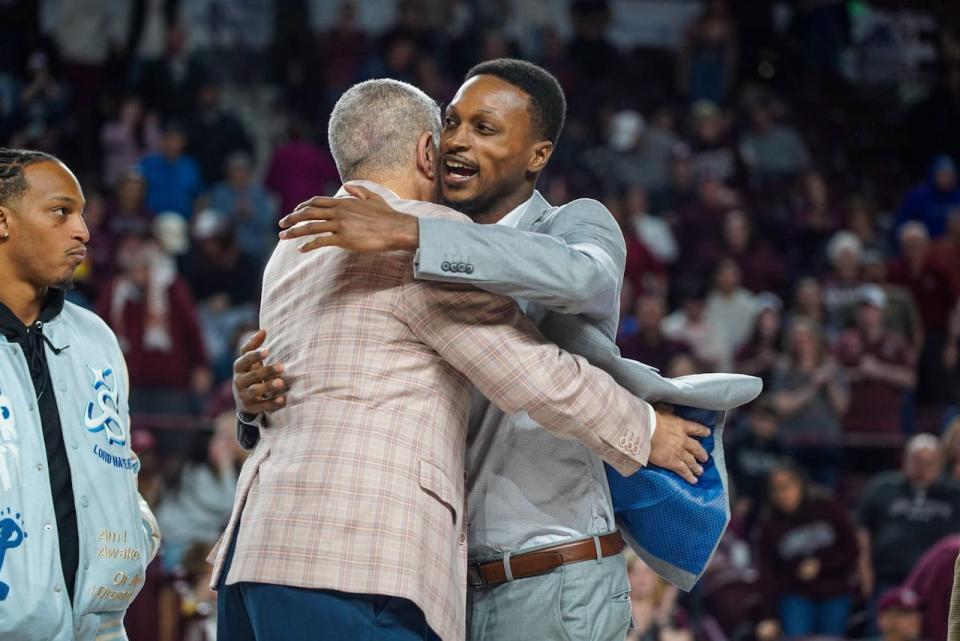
(469, 268)
(445, 266)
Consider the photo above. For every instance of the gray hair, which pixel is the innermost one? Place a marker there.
(375, 125)
(843, 241)
(913, 228)
(923, 442)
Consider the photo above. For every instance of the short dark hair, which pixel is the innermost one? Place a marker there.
(13, 177)
(548, 105)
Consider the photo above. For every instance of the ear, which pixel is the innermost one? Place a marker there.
(540, 157)
(4, 223)
(427, 156)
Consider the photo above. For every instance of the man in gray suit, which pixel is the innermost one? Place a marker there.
(536, 503)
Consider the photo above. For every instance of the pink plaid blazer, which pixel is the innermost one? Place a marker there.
(358, 484)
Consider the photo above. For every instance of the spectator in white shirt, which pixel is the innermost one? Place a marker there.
(730, 309)
(652, 231)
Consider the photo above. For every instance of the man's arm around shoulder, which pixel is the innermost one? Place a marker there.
(575, 267)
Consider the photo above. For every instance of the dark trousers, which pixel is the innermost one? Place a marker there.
(803, 617)
(267, 612)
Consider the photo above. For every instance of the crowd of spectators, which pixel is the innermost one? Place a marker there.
(791, 209)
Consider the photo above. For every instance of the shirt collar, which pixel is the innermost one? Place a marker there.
(513, 218)
(376, 188)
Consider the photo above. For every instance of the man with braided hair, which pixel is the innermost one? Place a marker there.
(75, 536)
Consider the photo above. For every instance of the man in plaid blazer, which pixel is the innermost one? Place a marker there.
(348, 521)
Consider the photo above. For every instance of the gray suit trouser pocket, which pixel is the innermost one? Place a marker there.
(585, 601)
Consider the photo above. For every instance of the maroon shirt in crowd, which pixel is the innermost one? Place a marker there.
(151, 368)
(752, 350)
(874, 405)
(299, 171)
(700, 230)
(762, 268)
(642, 265)
(945, 254)
(932, 580)
(656, 353)
(932, 289)
(142, 619)
(819, 530)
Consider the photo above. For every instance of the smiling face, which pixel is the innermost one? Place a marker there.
(915, 243)
(786, 491)
(173, 143)
(490, 154)
(945, 178)
(923, 466)
(847, 263)
(728, 277)
(769, 322)
(870, 318)
(808, 296)
(46, 231)
(649, 312)
(130, 194)
(736, 231)
(804, 344)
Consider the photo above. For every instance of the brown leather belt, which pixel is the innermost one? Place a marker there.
(480, 575)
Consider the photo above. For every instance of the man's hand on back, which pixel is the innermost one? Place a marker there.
(364, 223)
(674, 447)
(257, 387)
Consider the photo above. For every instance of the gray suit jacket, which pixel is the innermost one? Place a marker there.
(565, 264)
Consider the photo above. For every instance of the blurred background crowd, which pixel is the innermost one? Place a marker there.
(785, 175)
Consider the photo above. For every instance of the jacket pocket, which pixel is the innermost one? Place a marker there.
(437, 484)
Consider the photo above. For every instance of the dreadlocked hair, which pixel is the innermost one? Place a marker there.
(13, 178)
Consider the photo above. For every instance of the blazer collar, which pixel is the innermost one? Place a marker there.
(535, 211)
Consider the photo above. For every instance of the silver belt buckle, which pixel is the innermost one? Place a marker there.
(474, 578)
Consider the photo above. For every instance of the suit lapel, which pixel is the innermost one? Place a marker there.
(536, 210)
